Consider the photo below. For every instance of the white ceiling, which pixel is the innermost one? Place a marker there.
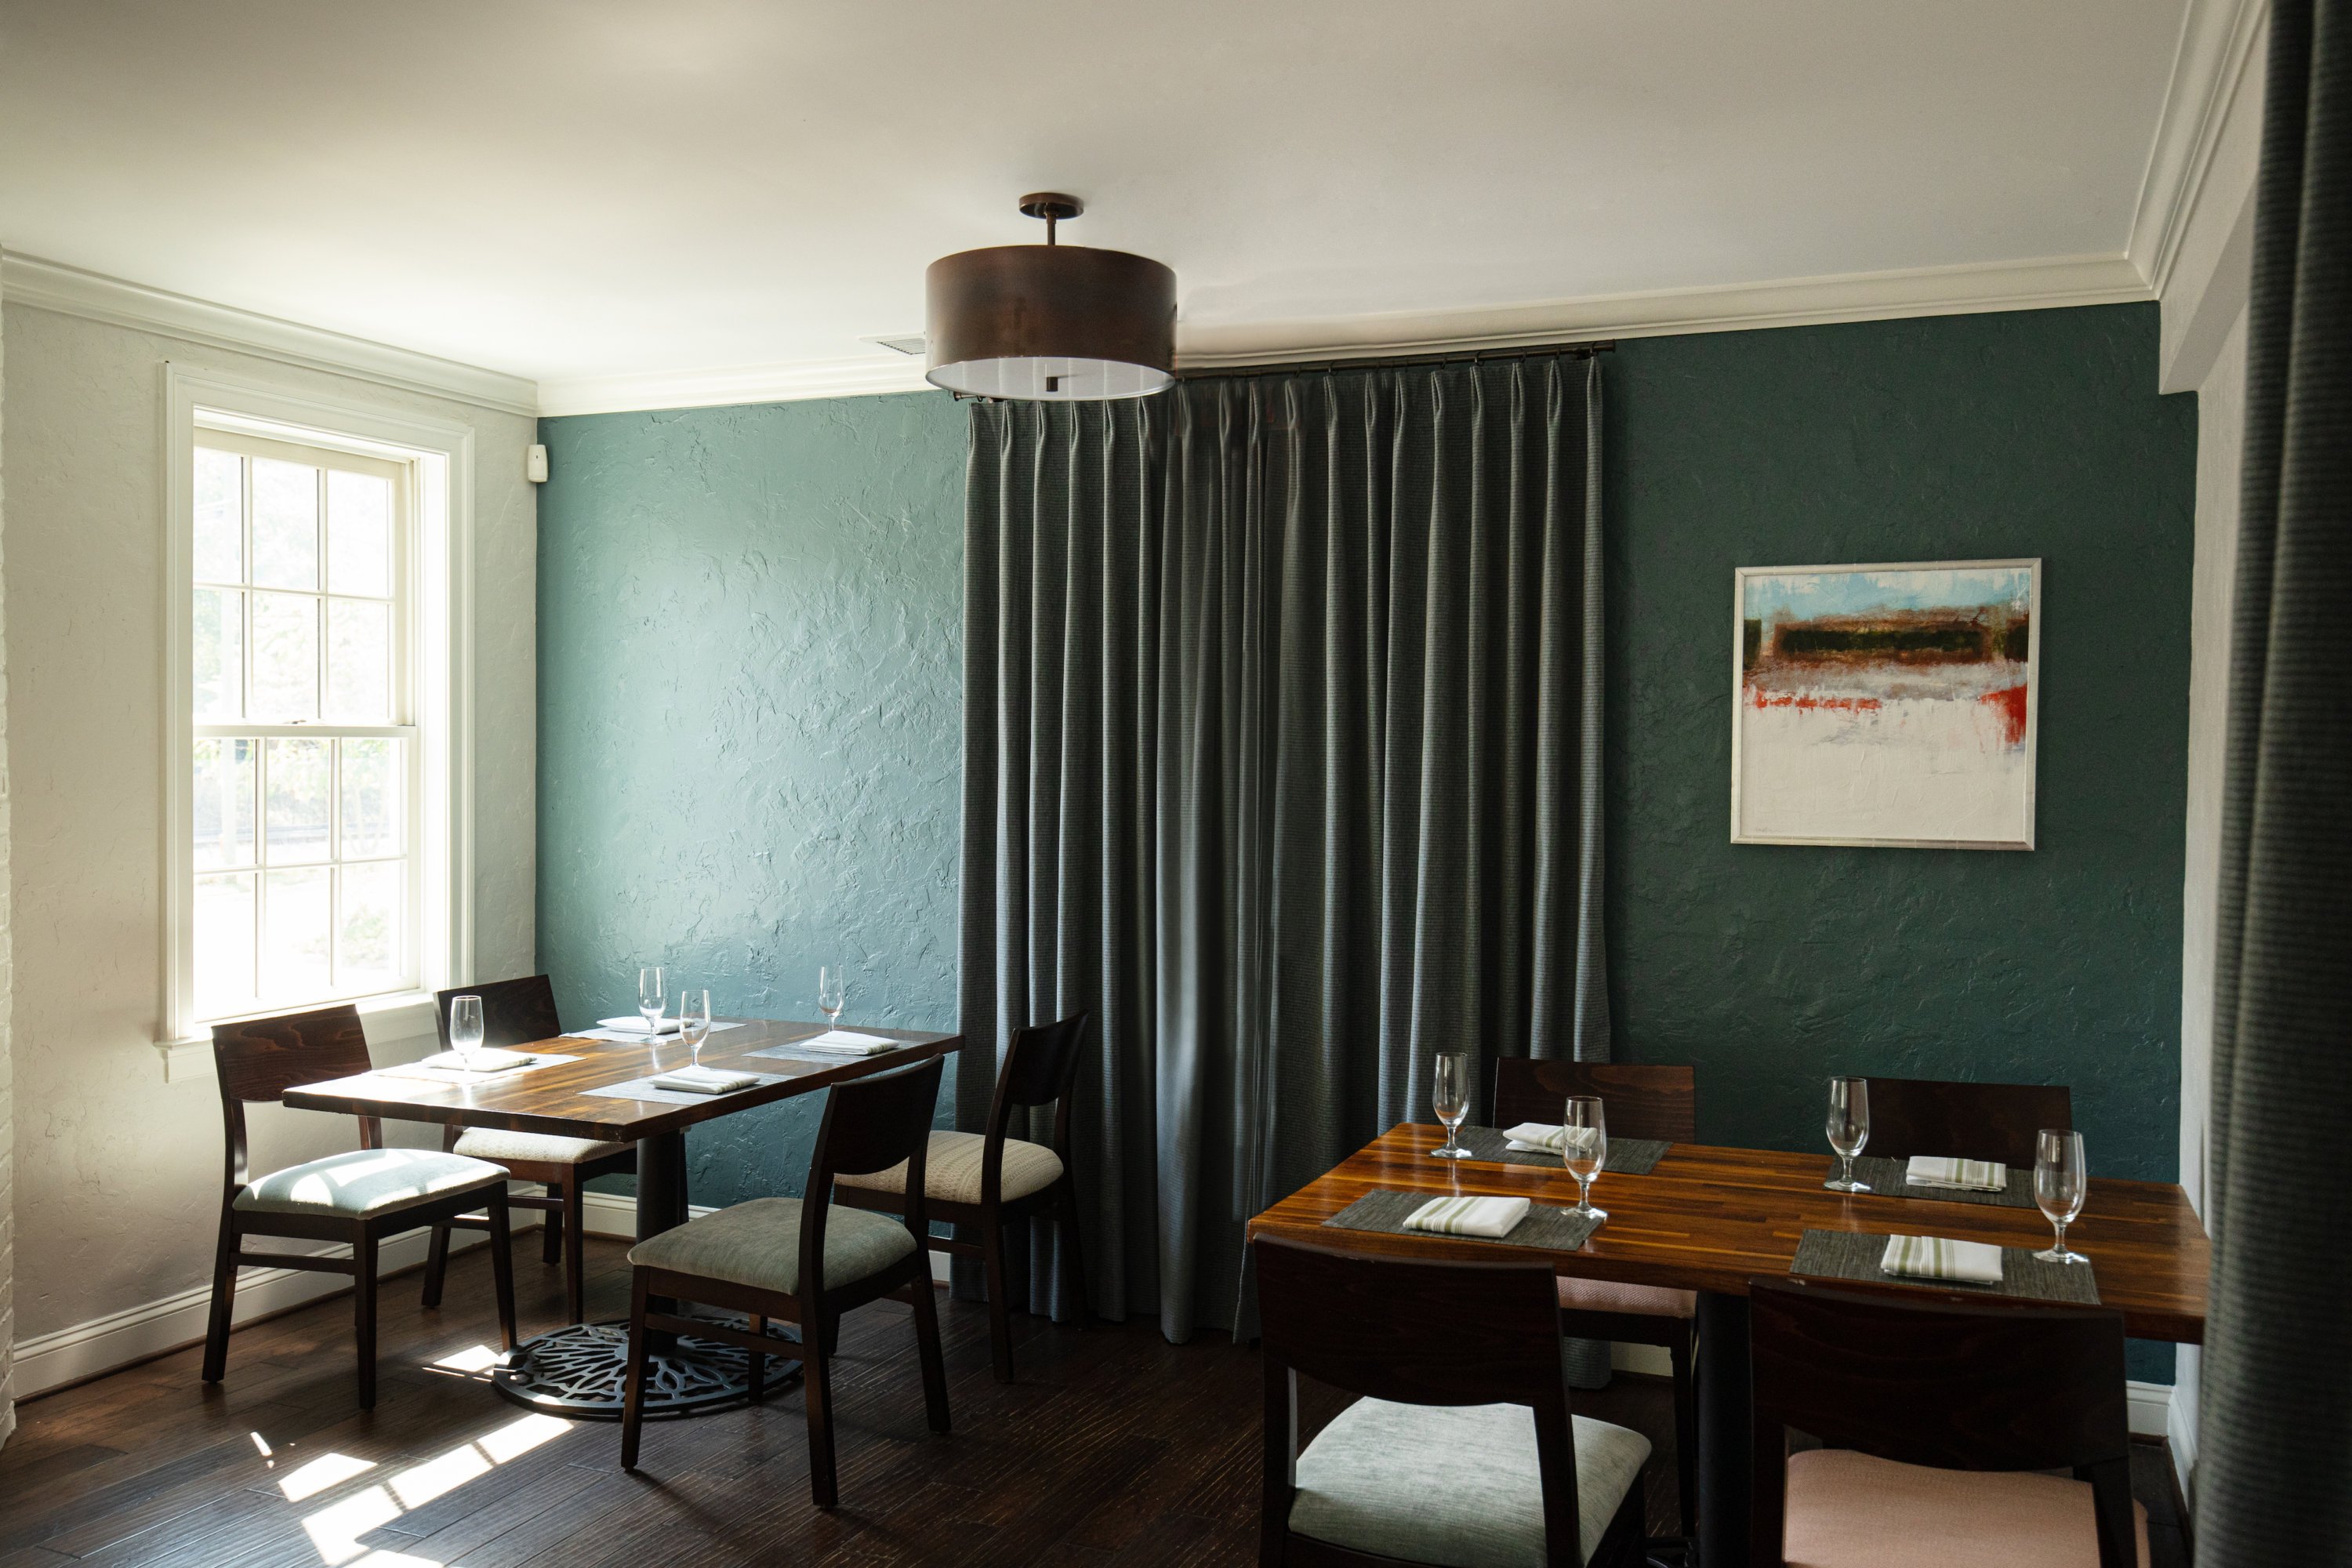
(580, 188)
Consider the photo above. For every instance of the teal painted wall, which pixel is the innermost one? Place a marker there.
(750, 657)
(775, 593)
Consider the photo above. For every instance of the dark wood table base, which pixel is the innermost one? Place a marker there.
(577, 1371)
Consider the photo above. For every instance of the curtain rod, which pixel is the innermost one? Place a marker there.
(1406, 361)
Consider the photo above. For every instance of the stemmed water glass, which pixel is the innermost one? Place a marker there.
(1584, 1150)
(831, 992)
(2062, 1180)
(694, 1021)
(1449, 1096)
(465, 1028)
(1849, 1129)
(649, 998)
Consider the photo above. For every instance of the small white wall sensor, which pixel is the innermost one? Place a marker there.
(534, 465)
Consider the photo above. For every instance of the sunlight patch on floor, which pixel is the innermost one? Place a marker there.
(335, 1529)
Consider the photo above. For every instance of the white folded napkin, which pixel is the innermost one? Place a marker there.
(1542, 1137)
(1963, 1175)
(704, 1081)
(848, 1043)
(1938, 1258)
(635, 1025)
(484, 1062)
(1490, 1217)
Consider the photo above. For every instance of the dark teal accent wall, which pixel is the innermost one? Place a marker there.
(775, 593)
(750, 675)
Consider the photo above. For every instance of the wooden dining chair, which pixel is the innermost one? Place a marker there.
(1965, 1120)
(1638, 1100)
(987, 1181)
(358, 1198)
(521, 1013)
(1463, 1448)
(806, 1260)
(1937, 1414)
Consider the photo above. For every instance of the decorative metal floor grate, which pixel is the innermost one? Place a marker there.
(580, 1371)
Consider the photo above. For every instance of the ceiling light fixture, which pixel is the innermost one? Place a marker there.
(1055, 323)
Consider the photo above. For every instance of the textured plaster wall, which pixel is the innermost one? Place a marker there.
(117, 1174)
(751, 680)
(8, 1049)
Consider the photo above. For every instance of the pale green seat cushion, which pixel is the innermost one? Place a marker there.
(545, 1147)
(952, 1169)
(366, 1181)
(1458, 1485)
(758, 1243)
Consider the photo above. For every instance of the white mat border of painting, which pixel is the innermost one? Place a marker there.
(2033, 564)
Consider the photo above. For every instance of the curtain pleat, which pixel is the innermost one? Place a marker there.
(2274, 1474)
(1281, 726)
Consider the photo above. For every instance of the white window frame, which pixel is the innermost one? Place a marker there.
(439, 547)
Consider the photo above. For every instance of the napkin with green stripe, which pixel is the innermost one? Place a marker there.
(1542, 1137)
(1961, 1175)
(1492, 1219)
(1939, 1258)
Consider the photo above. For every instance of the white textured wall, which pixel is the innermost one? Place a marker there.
(118, 1173)
(7, 1103)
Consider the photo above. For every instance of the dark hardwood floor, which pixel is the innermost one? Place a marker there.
(1113, 1447)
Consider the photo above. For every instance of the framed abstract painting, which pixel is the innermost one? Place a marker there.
(1890, 705)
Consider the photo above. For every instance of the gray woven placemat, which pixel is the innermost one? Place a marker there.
(1885, 1179)
(1856, 1254)
(1385, 1213)
(1627, 1156)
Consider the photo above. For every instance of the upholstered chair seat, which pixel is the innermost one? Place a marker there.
(1458, 1486)
(1611, 1296)
(952, 1173)
(365, 1182)
(757, 1245)
(543, 1148)
(1848, 1510)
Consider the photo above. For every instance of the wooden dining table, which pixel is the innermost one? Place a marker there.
(577, 1370)
(1711, 1219)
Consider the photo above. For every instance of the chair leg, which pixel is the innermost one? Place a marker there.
(576, 1252)
(550, 1234)
(436, 1265)
(502, 1266)
(927, 1344)
(1074, 1258)
(816, 1382)
(224, 1300)
(1000, 1319)
(759, 1368)
(363, 1313)
(1685, 1434)
(633, 1393)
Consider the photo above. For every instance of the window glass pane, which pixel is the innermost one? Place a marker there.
(294, 935)
(373, 779)
(285, 524)
(358, 661)
(285, 657)
(219, 652)
(296, 817)
(224, 803)
(224, 917)
(367, 951)
(359, 533)
(220, 517)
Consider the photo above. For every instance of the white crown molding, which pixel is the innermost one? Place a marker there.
(886, 371)
(2216, 40)
(71, 291)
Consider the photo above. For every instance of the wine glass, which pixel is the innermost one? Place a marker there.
(465, 1028)
(649, 999)
(694, 1021)
(1849, 1129)
(2062, 1180)
(831, 992)
(1585, 1148)
(1449, 1096)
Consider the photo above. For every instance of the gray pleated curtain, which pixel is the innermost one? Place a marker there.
(1282, 757)
(2275, 1472)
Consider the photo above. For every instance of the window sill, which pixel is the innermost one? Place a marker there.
(389, 1019)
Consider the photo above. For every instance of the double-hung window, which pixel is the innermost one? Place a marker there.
(304, 773)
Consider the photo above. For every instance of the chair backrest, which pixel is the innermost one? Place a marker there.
(1965, 1120)
(514, 1012)
(1041, 1064)
(260, 1058)
(1414, 1333)
(1639, 1100)
(870, 1124)
(1947, 1382)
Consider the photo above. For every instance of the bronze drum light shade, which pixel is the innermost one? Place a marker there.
(1054, 323)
